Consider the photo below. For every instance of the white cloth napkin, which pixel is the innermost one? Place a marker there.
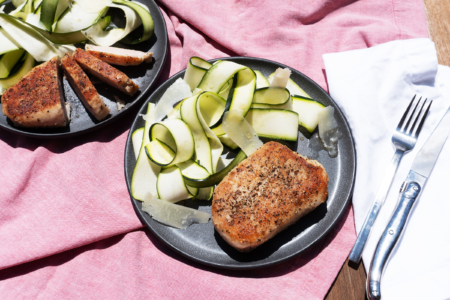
(373, 87)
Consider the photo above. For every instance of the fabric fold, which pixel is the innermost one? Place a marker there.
(62, 194)
(388, 77)
(423, 68)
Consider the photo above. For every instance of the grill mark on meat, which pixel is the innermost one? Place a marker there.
(264, 194)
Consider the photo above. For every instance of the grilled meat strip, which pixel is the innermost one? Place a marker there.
(84, 88)
(105, 72)
(37, 99)
(267, 192)
(119, 56)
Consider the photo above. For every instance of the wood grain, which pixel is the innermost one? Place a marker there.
(350, 283)
(438, 18)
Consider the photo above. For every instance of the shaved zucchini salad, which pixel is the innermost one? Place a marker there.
(37, 30)
(215, 108)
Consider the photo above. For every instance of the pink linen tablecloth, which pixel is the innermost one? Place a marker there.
(67, 227)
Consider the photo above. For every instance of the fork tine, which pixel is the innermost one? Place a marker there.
(400, 124)
(417, 118)
(423, 120)
(411, 116)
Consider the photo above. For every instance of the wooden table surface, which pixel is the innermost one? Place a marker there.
(350, 283)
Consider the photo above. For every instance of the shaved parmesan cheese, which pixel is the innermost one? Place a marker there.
(329, 131)
(281, 78)
(119, 102)
(147, 117)
(68, 107)
(172, 214)
(241, 132)
(178, 91)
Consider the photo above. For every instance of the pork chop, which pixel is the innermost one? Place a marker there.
(37, 99)
(119, 56)
(105, 72)
(267, 192)
(84, 88)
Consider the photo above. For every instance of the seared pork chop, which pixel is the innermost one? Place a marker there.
(119, 56)
(37, 99)
(84, 88)
(267, 192)
(105, 72)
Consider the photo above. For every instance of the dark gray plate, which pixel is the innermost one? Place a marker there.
(201, 243)
(145, 75)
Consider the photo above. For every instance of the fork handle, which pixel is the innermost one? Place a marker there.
(383, 190)
(408, 195)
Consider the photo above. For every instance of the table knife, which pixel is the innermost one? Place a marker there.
(410, 190)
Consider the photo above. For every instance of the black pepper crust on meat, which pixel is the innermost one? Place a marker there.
(119, 56)
(115, 59)
(37, 99)
(269, 191)
(84, 88)
(37, 92)
(105, 72)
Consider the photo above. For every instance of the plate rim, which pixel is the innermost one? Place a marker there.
(144, 95)
(323, 234)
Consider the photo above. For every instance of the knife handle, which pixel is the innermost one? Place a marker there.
(358, 247)
(408, 194)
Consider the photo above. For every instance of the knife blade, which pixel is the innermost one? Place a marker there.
(411, 188)
(426, 158)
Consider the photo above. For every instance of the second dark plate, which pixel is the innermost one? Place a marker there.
(145, 75)
(201, 243)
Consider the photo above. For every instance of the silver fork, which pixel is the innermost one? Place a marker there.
(404, 139)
